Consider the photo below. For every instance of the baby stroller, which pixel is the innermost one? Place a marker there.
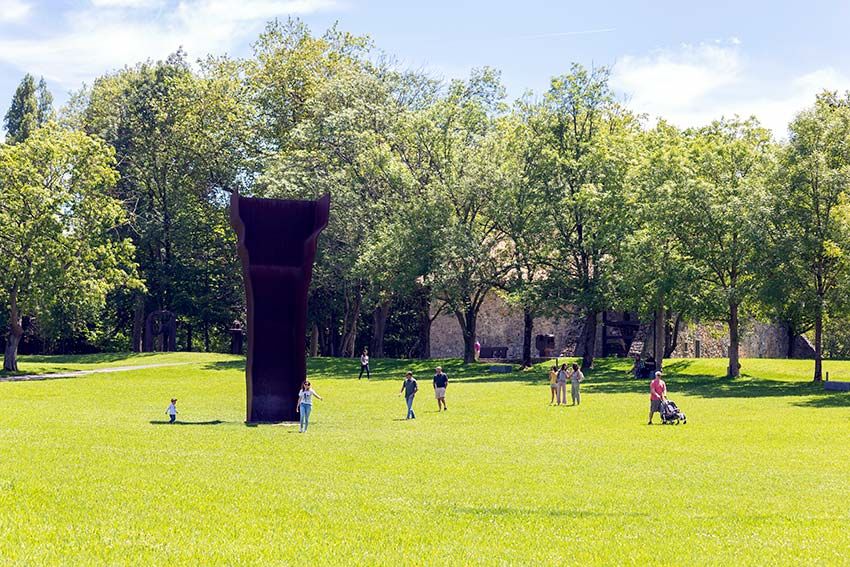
(670, 413)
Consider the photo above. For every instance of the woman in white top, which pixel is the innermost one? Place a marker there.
(364, 364)
(305, 404)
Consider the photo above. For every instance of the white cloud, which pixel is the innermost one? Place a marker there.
(695, 84)
(126, 3)
(115, 33)
(13, 11)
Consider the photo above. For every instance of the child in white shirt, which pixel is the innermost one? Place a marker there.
(171, 412)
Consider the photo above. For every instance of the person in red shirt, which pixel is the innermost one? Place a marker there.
(657, 392)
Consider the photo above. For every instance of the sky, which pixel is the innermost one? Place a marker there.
(688, 62)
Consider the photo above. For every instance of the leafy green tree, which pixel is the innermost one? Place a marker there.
(811, 203)
(44, 103)
(587, 148)
(519, 211)
(58, 222)
(654, 278)
(456, 133)
(180, 141)
(718, 216)
(21, 120)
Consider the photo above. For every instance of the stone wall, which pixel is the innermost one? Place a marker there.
(758, 340)
(500, 325)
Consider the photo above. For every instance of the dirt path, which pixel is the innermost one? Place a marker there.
(75, 373)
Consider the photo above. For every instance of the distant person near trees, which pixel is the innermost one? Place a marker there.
(477, 350)
(657, 392)
(561, 384)
(441, 382)
(576, 378)
(409, 389)
(171, 412)
(637, 367)
(305, 404)
(553, 383)
(364, 364)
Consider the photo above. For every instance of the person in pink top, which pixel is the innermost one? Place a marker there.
(657, 392)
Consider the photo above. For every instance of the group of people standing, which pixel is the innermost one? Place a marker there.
(558, 384)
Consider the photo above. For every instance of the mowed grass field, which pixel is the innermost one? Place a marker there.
(90, 474)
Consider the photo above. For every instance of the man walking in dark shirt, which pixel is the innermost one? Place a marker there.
(409, 389)
(441, 382)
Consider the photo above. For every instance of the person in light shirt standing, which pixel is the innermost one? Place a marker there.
(576, 378)
(561, 383)
(305, 404)
(364, 364)
(657, 392)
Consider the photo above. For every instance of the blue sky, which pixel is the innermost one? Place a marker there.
(689, 62)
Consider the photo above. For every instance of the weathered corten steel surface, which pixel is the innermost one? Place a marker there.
(277, 244)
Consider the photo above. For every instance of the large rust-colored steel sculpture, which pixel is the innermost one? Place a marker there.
(277, 245)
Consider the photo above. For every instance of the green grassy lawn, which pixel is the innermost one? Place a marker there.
(89, 474)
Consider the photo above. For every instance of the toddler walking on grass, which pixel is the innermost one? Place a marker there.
(171, 412)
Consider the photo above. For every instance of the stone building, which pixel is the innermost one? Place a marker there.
(617, 334)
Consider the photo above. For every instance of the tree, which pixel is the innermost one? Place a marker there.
(58, 227)
(22, 118)
(654, 278)
(456, 133)
(717, 217)
(44, 106)
(586, 154)
(520, 212)
(180, 140)
(811, 203)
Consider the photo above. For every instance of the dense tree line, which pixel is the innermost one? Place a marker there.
(565, 203)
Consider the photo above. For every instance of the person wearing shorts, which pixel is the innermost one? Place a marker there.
(657, 392)
(441, 382)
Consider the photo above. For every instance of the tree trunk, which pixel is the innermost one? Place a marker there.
(189, 337)
(734, 369)
(16, 331)
(138, 324)
(206, 337)
(659, 332)
(425, 325)
(528, 319)
(792, 338)
(349, 338)
(379, 327)
(671, 335)
(589, 341)
(468, 320)
(818, 345)
(314, 340)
